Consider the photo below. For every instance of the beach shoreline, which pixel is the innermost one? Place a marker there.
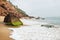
(30, 26)
(4, 31)
(34, 31)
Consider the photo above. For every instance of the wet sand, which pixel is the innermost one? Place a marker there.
(4, 31)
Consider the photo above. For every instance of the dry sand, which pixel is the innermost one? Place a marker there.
(4, 32)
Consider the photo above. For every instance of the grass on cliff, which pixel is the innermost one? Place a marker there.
(19, 10)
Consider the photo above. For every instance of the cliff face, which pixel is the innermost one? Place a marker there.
(6, 8)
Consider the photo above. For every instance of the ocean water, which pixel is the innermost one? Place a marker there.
(52, 20)
(34, 31)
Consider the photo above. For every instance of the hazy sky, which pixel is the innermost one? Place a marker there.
(43, 8)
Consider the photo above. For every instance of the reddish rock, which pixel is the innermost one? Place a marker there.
(6, 8)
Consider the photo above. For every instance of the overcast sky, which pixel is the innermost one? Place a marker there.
(43, 8)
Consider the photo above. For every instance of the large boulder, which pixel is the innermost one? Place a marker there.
(10, 19)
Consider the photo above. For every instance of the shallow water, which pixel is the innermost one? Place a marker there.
(52, 20)
(35, 32)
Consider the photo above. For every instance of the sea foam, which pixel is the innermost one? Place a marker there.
(35, 32)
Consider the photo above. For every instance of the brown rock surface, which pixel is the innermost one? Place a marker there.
(6, 7)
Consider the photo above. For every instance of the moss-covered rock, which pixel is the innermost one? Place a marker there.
(10, 19)
(17, 23)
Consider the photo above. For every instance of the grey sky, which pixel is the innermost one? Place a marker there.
(43, 8)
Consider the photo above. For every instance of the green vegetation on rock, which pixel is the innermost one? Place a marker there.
(10, 19)
(17, 23)
(19, 10)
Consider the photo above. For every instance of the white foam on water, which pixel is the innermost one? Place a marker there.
(35, 32)
(31, 22)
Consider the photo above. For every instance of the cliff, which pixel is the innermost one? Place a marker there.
(6, 7)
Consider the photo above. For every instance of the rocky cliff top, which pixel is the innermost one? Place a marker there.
(6, 7)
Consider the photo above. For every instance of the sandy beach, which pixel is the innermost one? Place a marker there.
(4, 31)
